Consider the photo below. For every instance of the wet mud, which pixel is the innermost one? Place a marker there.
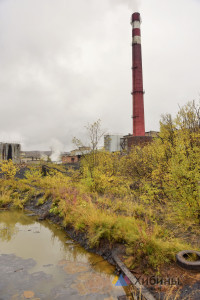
(39, 261)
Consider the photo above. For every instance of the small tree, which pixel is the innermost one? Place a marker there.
(188, 117)
(94, 133)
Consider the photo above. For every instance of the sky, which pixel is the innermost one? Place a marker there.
(65, 64)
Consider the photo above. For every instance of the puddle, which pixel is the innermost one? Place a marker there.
(38, 261)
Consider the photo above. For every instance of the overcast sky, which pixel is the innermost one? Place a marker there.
(64, 64)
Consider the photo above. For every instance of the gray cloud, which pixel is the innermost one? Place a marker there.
(66, 63)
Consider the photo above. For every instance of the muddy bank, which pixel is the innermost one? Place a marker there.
(39, 261)
(105, 249)
(108, 251)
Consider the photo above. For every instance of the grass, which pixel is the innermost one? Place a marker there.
(138, 226)
(191, 257)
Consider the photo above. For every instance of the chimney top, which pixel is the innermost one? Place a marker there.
(135, 17)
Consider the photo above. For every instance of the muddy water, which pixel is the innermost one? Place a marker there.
(38, 261)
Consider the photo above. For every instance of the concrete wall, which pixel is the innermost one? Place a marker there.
(112, 142)
(10, 151)
(67, 159)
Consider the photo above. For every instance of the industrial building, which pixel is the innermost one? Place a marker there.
(75, 155)
(10, 151)
(68, 158)
(112, 142)
(35, 157)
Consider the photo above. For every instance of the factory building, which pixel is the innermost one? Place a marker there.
(10, 151)
(75, 155)
(112, 142)
(35, 157)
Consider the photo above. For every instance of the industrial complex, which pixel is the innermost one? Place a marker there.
(112, 142)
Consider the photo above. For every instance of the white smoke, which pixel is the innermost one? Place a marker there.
(44, 157)
(132, 4)
(57, 148)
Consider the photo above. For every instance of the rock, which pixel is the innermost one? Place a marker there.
(69, 242)
(30, 215)
(44, 216)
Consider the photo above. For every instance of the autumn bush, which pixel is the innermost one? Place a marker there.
(136, 198)
(8, 168)
(167, 171)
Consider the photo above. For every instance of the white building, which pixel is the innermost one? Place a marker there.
(112, 142)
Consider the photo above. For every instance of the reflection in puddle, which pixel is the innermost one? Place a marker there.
(50, 264)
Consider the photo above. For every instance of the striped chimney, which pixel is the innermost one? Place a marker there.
(138, 101)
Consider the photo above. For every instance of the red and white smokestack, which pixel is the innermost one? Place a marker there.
(138, 101)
